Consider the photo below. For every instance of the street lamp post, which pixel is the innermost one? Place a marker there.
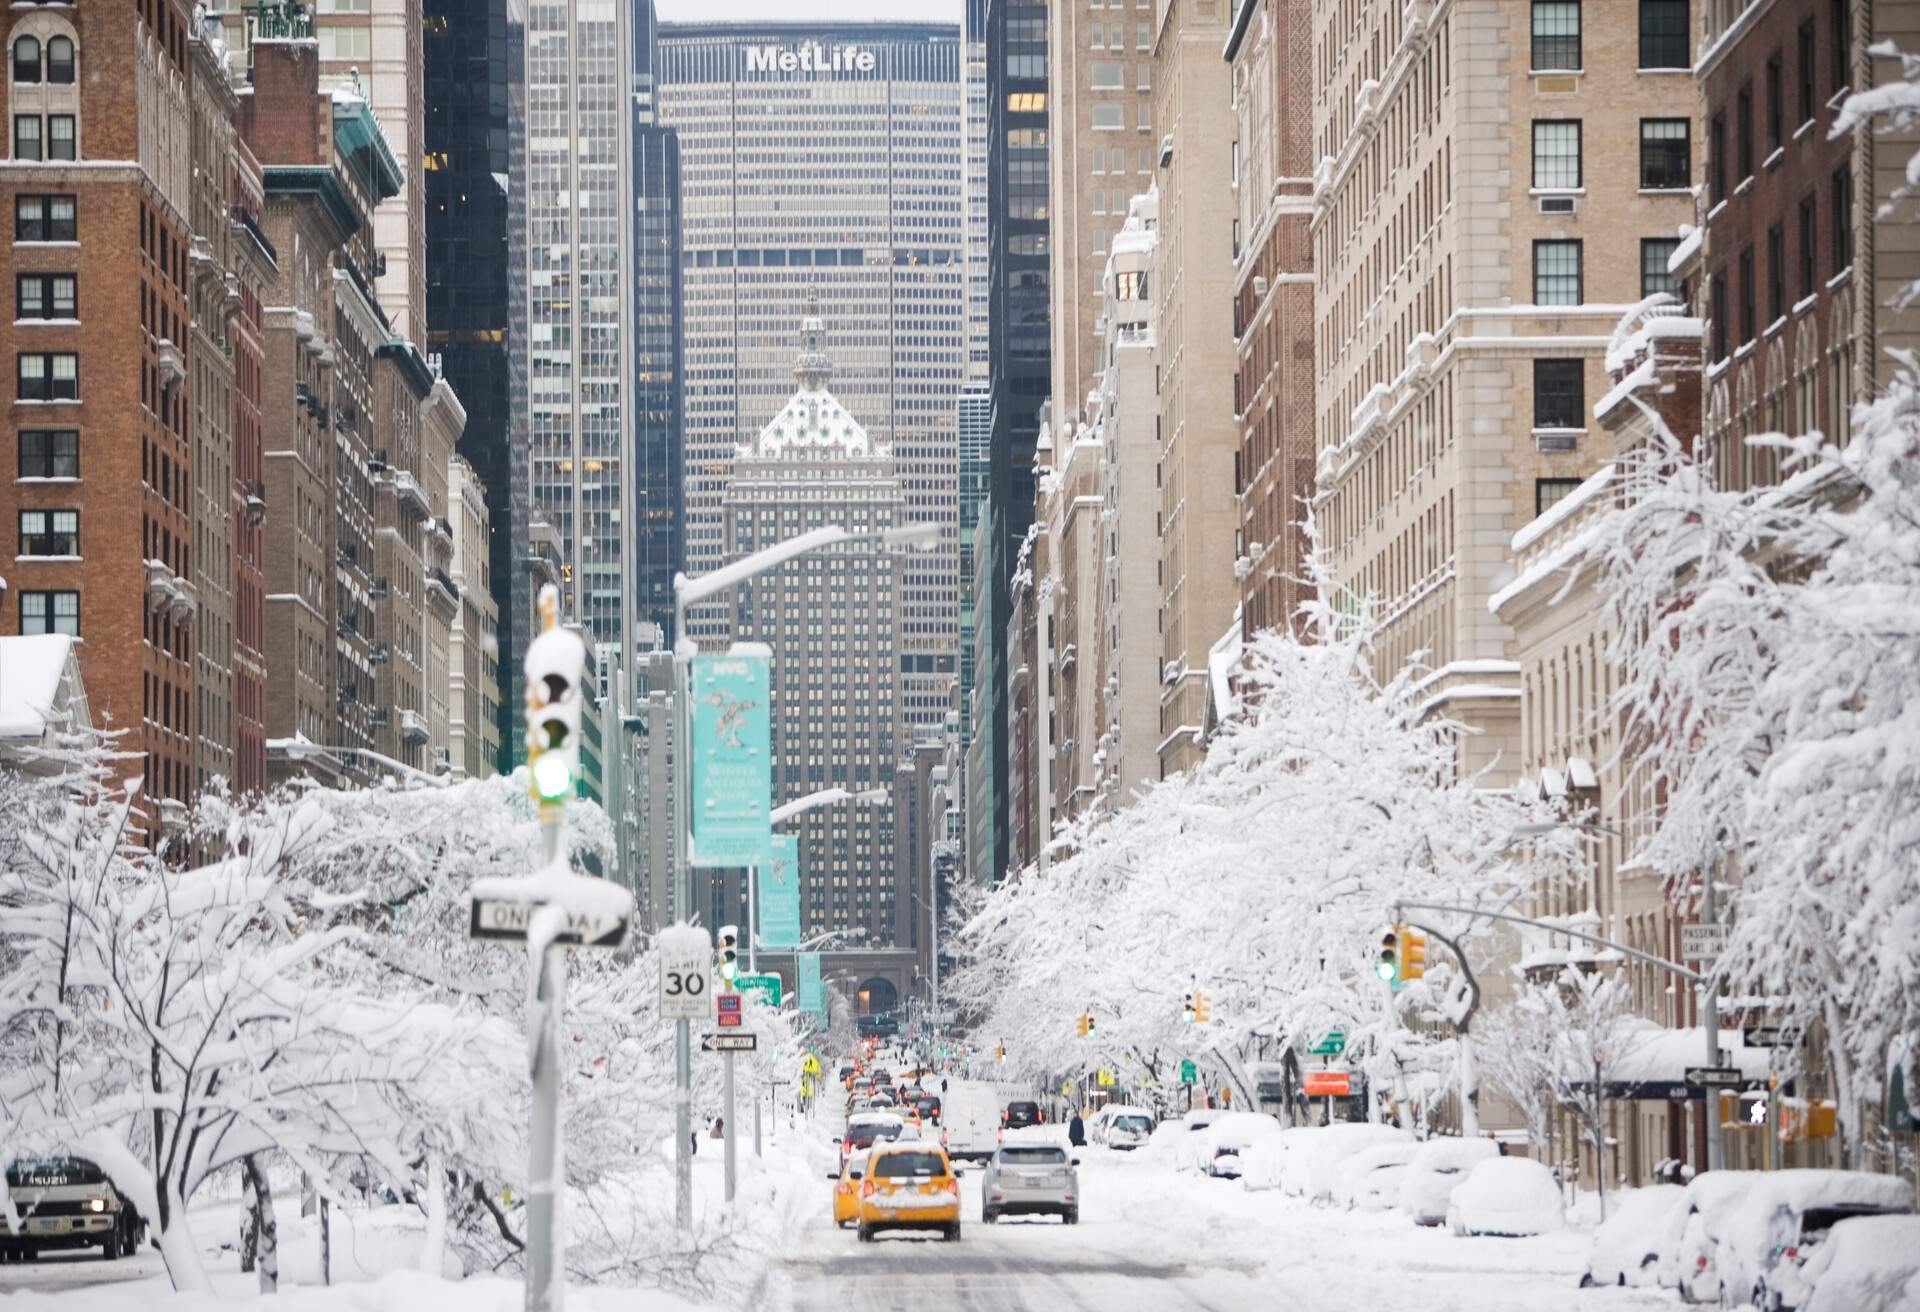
(780, 815)
(691, 592)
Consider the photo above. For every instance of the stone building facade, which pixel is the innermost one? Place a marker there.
(1496, 183)
(1192, 284)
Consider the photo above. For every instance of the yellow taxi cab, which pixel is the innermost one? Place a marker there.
(846, 1193)
(909, 1186)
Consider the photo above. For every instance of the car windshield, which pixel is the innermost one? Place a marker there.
(1138, 1124)
(1033, 1156)
(902, 1166)
(53, 1173)
(867, 1132)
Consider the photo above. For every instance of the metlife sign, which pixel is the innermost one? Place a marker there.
(811, 57)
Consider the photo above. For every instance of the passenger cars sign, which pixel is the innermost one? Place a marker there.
(780, 895)
(1328, 1084)
(732, 764)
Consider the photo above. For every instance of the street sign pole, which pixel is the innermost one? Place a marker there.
(544, 1240)
(727, 1124)
(1710, 1016)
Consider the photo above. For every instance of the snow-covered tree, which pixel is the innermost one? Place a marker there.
(1263, 877)
(1772, 698)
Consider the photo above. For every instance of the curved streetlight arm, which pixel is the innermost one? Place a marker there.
(689, 592)
(1670, 967)
(825, 797)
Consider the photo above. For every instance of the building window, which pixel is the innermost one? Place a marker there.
(1841, 25)
(1720, 312)
(1143, 77)
(1743, 129)
(1775, 110)
(1109, 118)
(48, 377)
(1666, 162)
(50, 612)
(1559, 394)
(60, 61)
(1663, 34)
(1776, 273)
(1809, 222)
(1747, 297)
(49, 453)
(1556, 273)
(1655, 252)
(1717, 159)
(26, 59)
(26, 136)
(49, 532)
(1842, 208)
(46, 296)
(1556, 35)
(1108, 75)
(44, 218)
(1556, 154)
(61, 140)
(1549, 492)
(1807, 56)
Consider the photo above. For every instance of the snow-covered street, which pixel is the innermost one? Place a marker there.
(1154, 1240)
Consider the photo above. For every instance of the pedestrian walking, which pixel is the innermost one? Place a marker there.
(1077, 1131)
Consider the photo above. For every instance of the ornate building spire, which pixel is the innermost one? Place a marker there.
(811, 366)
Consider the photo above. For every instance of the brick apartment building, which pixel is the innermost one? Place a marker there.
(205, 394)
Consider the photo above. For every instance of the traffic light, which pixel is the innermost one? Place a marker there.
(556, 663)
(727, 959)
(1202, 1009)
(1387, 965)
(1000, 1053)
(1086, 1024)
(1186, 1008)
(1089, 1030)
(1413, 953)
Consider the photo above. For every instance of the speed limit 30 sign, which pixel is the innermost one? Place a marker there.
(686, 973)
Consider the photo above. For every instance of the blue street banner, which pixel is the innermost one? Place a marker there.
(813, 992)
(780, 895)
(732, 763)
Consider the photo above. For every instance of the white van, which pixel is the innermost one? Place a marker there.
(970, 1117)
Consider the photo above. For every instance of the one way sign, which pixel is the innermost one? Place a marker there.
(499, 918)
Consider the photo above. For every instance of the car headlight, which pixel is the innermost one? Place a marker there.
(96, 1204)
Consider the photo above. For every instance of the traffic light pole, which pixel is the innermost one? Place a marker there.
(546, 1244)
(727, 1122)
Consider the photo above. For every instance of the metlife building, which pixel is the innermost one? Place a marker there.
(825, 161)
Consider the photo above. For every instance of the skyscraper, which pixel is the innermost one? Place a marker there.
(825, 161)
(467, 57)
(1018, 369)
(658, 519)
(831, 619)
(567, 311)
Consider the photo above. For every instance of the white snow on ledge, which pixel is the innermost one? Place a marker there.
(1557, 513)
(1467, 667)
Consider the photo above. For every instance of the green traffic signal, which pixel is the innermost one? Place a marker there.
(1388, 966)
(552, 776)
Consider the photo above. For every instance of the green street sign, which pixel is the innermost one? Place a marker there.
(767, 986)
(1332, 1045)
(1189, 1073)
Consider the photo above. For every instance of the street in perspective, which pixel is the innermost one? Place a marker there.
(903, 655)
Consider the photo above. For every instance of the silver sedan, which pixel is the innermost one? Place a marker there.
(1031, 1180)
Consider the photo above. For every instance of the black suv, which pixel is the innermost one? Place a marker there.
(1021, 1114)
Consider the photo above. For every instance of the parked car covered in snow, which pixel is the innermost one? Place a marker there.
(1509, 1196)
(1263, 1166)
(1709, 1197)
(1778, 1226)
(1316, 1165)
(1370, 1179)
(1121, 1126)
(1637, 1242)
(1222, 1143)
(1439, 1165)
(1866, 1264)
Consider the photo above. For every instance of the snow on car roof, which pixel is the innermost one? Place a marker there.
(875, 1118)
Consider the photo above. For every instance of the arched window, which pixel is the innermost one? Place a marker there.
(1716, 426)
(1840, 350)
(1740, 456)
(60, 60)
(26, 59)
(1806, 366)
